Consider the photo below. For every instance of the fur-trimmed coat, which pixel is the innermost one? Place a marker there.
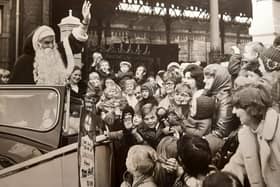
(23, 70)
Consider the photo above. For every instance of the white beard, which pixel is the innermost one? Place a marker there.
(49, 68)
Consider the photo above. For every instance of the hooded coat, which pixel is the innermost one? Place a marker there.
(151, 99)
(221, 92)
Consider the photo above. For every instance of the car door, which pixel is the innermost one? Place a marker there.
(32, 115)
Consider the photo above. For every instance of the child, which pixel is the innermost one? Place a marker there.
(137, 120)
(170, 80)
(104, 70)
(94, 76)
(129, 88)
(221, 179)
(94, 88)
(124, 71)
(140, 163)
(199, 120)
(180, 103)
(169, 123)
(173, 66)
(160, 92)
(250, 60)
(162, 116)
(149, 128)
(194, 155)
(122, 140)
(137, 92)
(166, 149)
(147, 97)
(5, 76)
(140, 74)
(96, 58)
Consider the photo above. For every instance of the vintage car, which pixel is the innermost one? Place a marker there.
(39, 140)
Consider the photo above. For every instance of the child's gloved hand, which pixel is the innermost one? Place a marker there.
(171, 165)
(167, 130)
(235, 50)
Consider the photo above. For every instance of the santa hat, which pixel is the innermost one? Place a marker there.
(271, 58)
(40, 33)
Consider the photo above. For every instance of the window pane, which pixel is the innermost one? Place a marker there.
(30, 109)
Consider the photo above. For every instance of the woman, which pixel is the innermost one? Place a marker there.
(193, 76)
(122, 140)
(218, 85)
(77, 90)
(78, 87)
(257, 155)
(170, 80)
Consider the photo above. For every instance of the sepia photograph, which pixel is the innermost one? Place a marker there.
(139, 93)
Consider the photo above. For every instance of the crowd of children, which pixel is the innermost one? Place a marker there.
(167, 128)
(176, 127)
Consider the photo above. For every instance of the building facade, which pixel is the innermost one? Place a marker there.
(20, 17)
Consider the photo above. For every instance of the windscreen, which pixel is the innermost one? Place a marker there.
(30, 109)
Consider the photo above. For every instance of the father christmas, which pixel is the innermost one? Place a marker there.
(46, 63)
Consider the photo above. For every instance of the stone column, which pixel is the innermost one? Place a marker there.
(66, 26)
(167, 23)
(215, 40)
(266, 23)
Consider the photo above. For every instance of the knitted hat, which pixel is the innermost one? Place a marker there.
(125, 63)
(271, 58)
(107, 104)
(173, 64)
(202, 107)
(148, 86)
